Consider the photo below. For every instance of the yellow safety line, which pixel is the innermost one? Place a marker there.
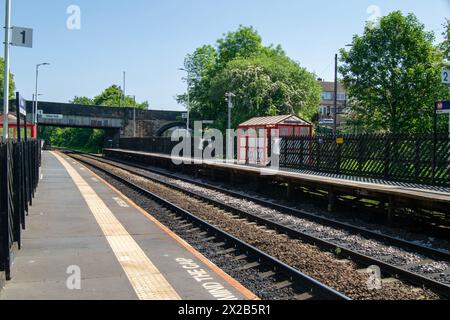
(231, 281)
(145, 278)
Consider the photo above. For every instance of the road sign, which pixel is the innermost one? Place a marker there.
(22, 106)
(208, 121)
(52, 116)
(184, 115)
(446, 76)
(22, 37)
(442, 107)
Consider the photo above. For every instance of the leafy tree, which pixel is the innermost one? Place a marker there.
(264, 86)
(393, 74)
(264, 79)
(82, 101)
(243, 43)
(12, 86)
(112, 97)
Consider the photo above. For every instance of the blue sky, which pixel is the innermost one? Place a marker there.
(150, 38)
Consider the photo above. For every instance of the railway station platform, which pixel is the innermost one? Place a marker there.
(391, 195)
(87, 241)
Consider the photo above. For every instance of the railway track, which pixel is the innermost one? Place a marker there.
(362, 260)
(388, 268)
(404, 244)
(248, 256)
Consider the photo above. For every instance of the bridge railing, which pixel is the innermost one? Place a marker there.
(19, 177)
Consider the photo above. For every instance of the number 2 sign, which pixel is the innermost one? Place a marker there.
(22, 37)
(446, 76)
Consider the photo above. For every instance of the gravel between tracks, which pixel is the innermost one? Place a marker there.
(341, 275)
(264, 288)
(384, 252)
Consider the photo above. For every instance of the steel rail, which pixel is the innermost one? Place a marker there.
(428, 251)
(316, 287)
(364, 260)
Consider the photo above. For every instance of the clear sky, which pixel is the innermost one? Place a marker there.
(150, 38)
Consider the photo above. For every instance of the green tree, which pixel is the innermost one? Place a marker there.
(243, 43)
(265, 81)
(393, 74)
(12, 86)
(264, 86)
(85, 101)
(113, 97)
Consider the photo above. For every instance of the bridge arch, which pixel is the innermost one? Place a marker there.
(167, 127)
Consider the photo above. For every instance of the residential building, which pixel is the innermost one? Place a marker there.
(326, 108)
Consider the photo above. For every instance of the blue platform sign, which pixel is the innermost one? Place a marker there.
(22, 106)
(443, 107)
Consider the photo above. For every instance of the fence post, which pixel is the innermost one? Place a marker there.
(5, 208)
(286, 142)
(339, 155)
(318, 153)
(387, 145)
(30, 182)
(302, 142)
(417, 158)
(17, 194)
(360, 156)
(23, 190)
(435, 128)
(448, 162)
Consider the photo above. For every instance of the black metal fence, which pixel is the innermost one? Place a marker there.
(414, 158)
(159, 145)
(19, 177)
(163, 145)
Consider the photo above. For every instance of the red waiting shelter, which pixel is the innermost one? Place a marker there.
(12, 120)
(254, 135)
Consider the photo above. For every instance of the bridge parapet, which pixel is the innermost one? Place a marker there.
(148, 122)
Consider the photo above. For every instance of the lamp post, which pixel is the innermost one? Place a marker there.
(124, 92)
(134, 116)
(36, 95)
(335, 93)
(6, 75)
(188, 98)
(336, 90)
(230, 97)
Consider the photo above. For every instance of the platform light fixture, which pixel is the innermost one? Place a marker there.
(188, 98)
(36, 95)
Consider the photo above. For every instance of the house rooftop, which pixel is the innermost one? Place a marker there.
(329, 86)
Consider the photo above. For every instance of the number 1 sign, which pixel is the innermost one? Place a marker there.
(22, 37)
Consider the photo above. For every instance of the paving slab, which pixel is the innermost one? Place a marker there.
(81, 241)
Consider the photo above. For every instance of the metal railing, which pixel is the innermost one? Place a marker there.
(408, 158)
(19, 177)
(163, 145)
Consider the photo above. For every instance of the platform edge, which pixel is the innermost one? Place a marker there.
(225, 276)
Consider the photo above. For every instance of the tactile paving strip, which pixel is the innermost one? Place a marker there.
(145, 278)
